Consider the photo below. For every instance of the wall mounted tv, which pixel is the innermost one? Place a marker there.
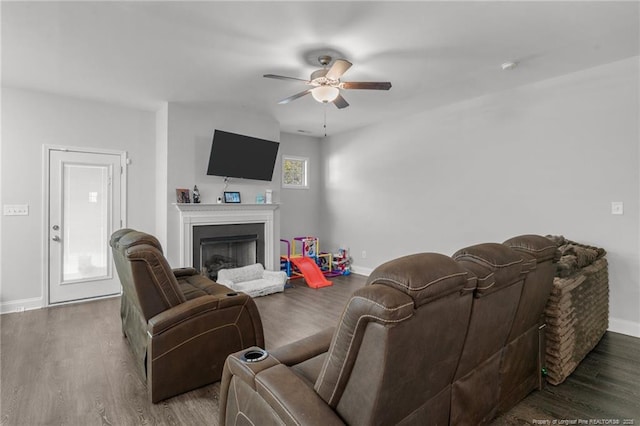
(240, 156)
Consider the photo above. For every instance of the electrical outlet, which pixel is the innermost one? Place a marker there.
(617, 207)
(20, 309)
(364, 254)
(16, 209)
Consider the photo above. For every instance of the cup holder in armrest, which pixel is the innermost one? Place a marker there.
(254, 355)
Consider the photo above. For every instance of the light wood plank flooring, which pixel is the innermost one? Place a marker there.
(70, 365)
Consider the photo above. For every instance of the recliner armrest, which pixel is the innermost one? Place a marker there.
(247, 371)
(304, 349)
(184, 272)
(190, 309)
(293, 400)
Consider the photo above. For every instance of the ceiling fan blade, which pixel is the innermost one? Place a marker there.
(339, 67)
(370, 85)
(282, 77)
(340, 102)
(294, 97)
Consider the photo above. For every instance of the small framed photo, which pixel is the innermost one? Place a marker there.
(231, 197)
(183, 195)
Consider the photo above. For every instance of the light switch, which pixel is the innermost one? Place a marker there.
(617, 207)
(16, 209)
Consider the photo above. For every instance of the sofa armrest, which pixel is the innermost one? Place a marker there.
(293, 399)
(191, 309)
(275, 276)
(184, 272)
(304, 349)
(225, 282)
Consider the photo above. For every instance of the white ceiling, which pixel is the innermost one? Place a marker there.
(144, 53)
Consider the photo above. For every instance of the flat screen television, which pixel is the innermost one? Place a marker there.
(240, 156)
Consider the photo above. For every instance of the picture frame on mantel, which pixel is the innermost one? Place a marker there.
(183, 195)
(232, 197)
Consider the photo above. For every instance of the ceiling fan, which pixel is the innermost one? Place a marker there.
(326, 83)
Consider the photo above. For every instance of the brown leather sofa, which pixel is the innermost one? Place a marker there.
(390, 360)
(180, 325)
(476, 388)
(519, 372)
(502, 357)
(428, 340)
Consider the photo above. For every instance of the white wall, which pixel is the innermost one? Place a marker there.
(161, 171)
(300, 209)
(543, 158)
(546, 158)
(184, 133)
(189, 134)
(32, 119)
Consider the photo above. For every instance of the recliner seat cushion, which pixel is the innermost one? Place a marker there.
(196, 286)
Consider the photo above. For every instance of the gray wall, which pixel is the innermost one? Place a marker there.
(547, 158)
(32, 119)
(300, 210)
(544, 158)
(189, 131)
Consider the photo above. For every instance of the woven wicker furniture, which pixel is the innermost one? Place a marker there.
(577, 313)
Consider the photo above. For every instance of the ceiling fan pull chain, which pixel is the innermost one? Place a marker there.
(325, 120)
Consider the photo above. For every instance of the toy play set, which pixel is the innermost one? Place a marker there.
(312, 264)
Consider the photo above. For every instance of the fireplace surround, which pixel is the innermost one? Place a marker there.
(194, 218)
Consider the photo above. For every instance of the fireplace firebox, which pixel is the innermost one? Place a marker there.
(218, 247)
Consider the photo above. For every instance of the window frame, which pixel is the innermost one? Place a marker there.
(305, 161)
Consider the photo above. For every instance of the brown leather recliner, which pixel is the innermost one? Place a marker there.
(500, 272)
(391, 359)
(501, 361)
(180, 325)
(520, 372)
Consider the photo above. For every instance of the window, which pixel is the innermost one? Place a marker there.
(294, 172)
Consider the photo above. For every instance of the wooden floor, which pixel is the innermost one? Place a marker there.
(70, 365)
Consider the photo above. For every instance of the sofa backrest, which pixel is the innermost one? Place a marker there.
(521, 364)
(398, 343)
(542, 255)
(145, 274)
(500, 272)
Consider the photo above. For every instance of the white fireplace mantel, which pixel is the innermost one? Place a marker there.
(192, 214)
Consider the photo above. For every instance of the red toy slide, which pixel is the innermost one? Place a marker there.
(312, 274)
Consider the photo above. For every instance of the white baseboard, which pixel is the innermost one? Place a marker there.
(627, 327)
(21, 305)
(361, 270)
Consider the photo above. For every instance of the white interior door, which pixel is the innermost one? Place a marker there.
(84, 210)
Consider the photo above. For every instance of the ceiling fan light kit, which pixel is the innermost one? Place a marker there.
(325, 94)
(326, 83)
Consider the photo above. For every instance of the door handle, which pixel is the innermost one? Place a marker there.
(56, 238)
